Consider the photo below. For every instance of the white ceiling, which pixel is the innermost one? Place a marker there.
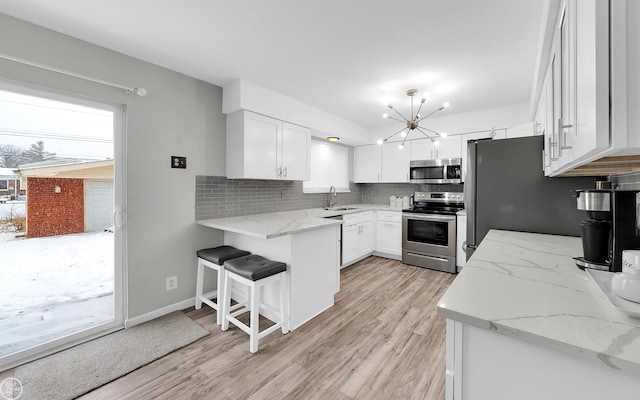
(342, 56)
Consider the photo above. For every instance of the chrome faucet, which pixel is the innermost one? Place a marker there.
(332, 193)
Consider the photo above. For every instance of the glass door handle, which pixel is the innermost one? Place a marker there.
(117, 218)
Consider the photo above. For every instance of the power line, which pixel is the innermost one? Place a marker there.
(53, 135)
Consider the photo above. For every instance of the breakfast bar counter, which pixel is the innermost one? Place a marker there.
(271, 225)
(308, 241)
(522, 302)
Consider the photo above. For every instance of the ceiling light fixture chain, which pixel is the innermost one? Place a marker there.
(413, 123)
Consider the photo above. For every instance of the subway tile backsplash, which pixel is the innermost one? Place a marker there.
(219, 197)
(626, 181)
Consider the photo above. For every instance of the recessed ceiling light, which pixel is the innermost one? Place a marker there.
(333, 138)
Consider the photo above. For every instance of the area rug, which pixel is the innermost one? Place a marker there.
(80, 369)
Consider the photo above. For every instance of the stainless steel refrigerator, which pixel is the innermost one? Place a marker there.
(505, 188)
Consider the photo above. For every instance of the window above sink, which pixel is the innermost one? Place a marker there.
(329, 167)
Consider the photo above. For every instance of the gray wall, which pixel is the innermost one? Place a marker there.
(179, 116)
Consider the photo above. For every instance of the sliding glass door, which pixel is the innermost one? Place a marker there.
(62, 236)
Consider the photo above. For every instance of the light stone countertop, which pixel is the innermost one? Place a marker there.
(276, 224)
(527, 286)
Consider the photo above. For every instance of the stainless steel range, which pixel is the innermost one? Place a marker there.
(429, 230)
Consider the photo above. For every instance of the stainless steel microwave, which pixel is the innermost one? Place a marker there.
(445, 170)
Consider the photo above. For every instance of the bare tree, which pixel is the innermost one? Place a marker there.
(11, 156)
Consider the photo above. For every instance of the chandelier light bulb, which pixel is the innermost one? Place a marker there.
(443, 135)
(385, 115)
(379, 141)
(436, 143)
(446, 104)
(401, 146)
(403, 133)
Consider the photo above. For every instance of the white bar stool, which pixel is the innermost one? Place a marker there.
(254, 271)
(214, 258)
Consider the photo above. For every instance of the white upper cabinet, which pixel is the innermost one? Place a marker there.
(587, 84)
(294, 156)
(425, 149)
(368, 163)
(260, 147)
(385, 163)
(395, 162)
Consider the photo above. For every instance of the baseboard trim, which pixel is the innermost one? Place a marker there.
(388, 255)
(130, 322)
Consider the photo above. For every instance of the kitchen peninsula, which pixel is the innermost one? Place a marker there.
(306, 240)
(524, 322)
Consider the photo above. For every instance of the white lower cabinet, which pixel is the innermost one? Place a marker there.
(358, 236)
(483, 364)
(389, 233)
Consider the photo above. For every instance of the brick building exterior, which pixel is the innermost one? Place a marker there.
(52, 211)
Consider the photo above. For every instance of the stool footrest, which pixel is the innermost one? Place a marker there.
(209, 303)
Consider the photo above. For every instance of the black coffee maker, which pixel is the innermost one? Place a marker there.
(613, 226)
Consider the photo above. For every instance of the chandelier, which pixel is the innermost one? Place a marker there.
(413, 123)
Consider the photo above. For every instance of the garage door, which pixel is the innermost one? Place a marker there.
(98, 205)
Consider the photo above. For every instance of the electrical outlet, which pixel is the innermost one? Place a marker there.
(178, 162)
(172, 282)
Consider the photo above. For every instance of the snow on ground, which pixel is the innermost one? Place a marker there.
(54, 286)
(12, 207)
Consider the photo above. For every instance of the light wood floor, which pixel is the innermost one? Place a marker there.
(382, 340)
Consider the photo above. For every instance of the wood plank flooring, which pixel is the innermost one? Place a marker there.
(382, 340)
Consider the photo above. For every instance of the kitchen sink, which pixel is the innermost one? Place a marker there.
(340, 208)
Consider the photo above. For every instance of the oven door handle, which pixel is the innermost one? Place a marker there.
(442, 259)
(429, 217)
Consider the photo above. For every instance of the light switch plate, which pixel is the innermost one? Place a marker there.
(178, 162)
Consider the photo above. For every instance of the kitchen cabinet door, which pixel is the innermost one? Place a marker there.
(578, 73)
(449, 147)
(358, 236)
(296, 142)
(261, 147)
(350, 243)
(395, 162)
(421, 149)
(389, 237)
(368, 163)
(367, 238)
(252, 146)
(550, 134)
(389, 232)
(589, 133)
(425, 149)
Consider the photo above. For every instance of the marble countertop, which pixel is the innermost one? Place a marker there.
(527, 286)
(272, 225)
